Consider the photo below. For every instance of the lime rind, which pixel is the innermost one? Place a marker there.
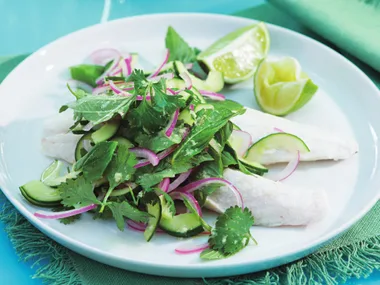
(237, 54)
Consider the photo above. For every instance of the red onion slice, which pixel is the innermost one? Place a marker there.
(171, 91)
(179, 180)
(160, 156)
(100, 90)
(140, 227)
(164, 184)
(64, 214)
(162, 65)
(191, 107)
(190, 197)
(172, 123)
(188, 249)
(117, 71)
(212, 95)
(128, 62)
(185, 76)
(116, 89)
(191, 187)
(103, 56)
(145, 153)
(289, 168)
(244, 140)
(278, 130)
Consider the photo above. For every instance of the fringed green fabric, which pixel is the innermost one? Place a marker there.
(331, 267)
(56, 264)
(53, 263)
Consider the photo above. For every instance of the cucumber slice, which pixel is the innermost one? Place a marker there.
(40, 193)
(253, 166)
(180, 84)
(279, 141)
(214, 81)
(38, 203)
(186, 116)
(80, 151)
(154, 209)
(123, 141)
(240, 141)
(107, 131)
(183, 225)
(203, 106)
(165, 69)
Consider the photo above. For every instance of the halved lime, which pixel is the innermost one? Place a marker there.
(237, 54)
(281, 87)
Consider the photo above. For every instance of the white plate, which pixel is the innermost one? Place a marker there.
(347, 102)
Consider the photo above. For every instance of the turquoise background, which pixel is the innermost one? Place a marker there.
(26, 25)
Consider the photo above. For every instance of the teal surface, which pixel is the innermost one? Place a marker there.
(28, 25)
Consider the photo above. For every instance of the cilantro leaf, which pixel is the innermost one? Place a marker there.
(164, 103)
(95, 162)
(124, 209)
(100, 108)
(232, 231)
(78, 191)
(121, 168)
(146, 117)
(69, 220)
(87, 73)
(139, 81)
(178, 48)
(208, 122)
(210, 254)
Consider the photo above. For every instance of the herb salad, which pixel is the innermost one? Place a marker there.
(150, 139)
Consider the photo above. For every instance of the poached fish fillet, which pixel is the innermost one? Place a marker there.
(272, 203)
(323, 145)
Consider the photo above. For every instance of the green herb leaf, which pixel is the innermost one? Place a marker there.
(210, 254)
(224, 134)
(121, 167)
(208, 122)
(77, 192)
(149, 176)
(100, 108)
(87, 73)
(160, 141)
(231, 232)
(95, 162)
(124, 209)
(178, 48)
(69, 220)
(147, 118)
(139, 80)
(164, 103)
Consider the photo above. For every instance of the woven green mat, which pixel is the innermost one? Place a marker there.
(356, 253)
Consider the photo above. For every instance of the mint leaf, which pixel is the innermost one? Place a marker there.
(160, 141)
(208, 122)
(87, 73)
(77, 192)
(224, 134)
(231, 232)
(124, 209)
(178, 48)
(149, 176)
(95, 162)
(121, 167)
(100, 108)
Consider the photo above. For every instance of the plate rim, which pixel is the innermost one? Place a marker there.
(188, 270)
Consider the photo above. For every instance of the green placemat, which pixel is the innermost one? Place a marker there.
(354, 254)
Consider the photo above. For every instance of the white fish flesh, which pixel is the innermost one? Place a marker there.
(323, 145)
(272, 203)
(58, 142)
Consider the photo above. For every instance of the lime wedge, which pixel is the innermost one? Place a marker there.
(281, 87)
(237, 54)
